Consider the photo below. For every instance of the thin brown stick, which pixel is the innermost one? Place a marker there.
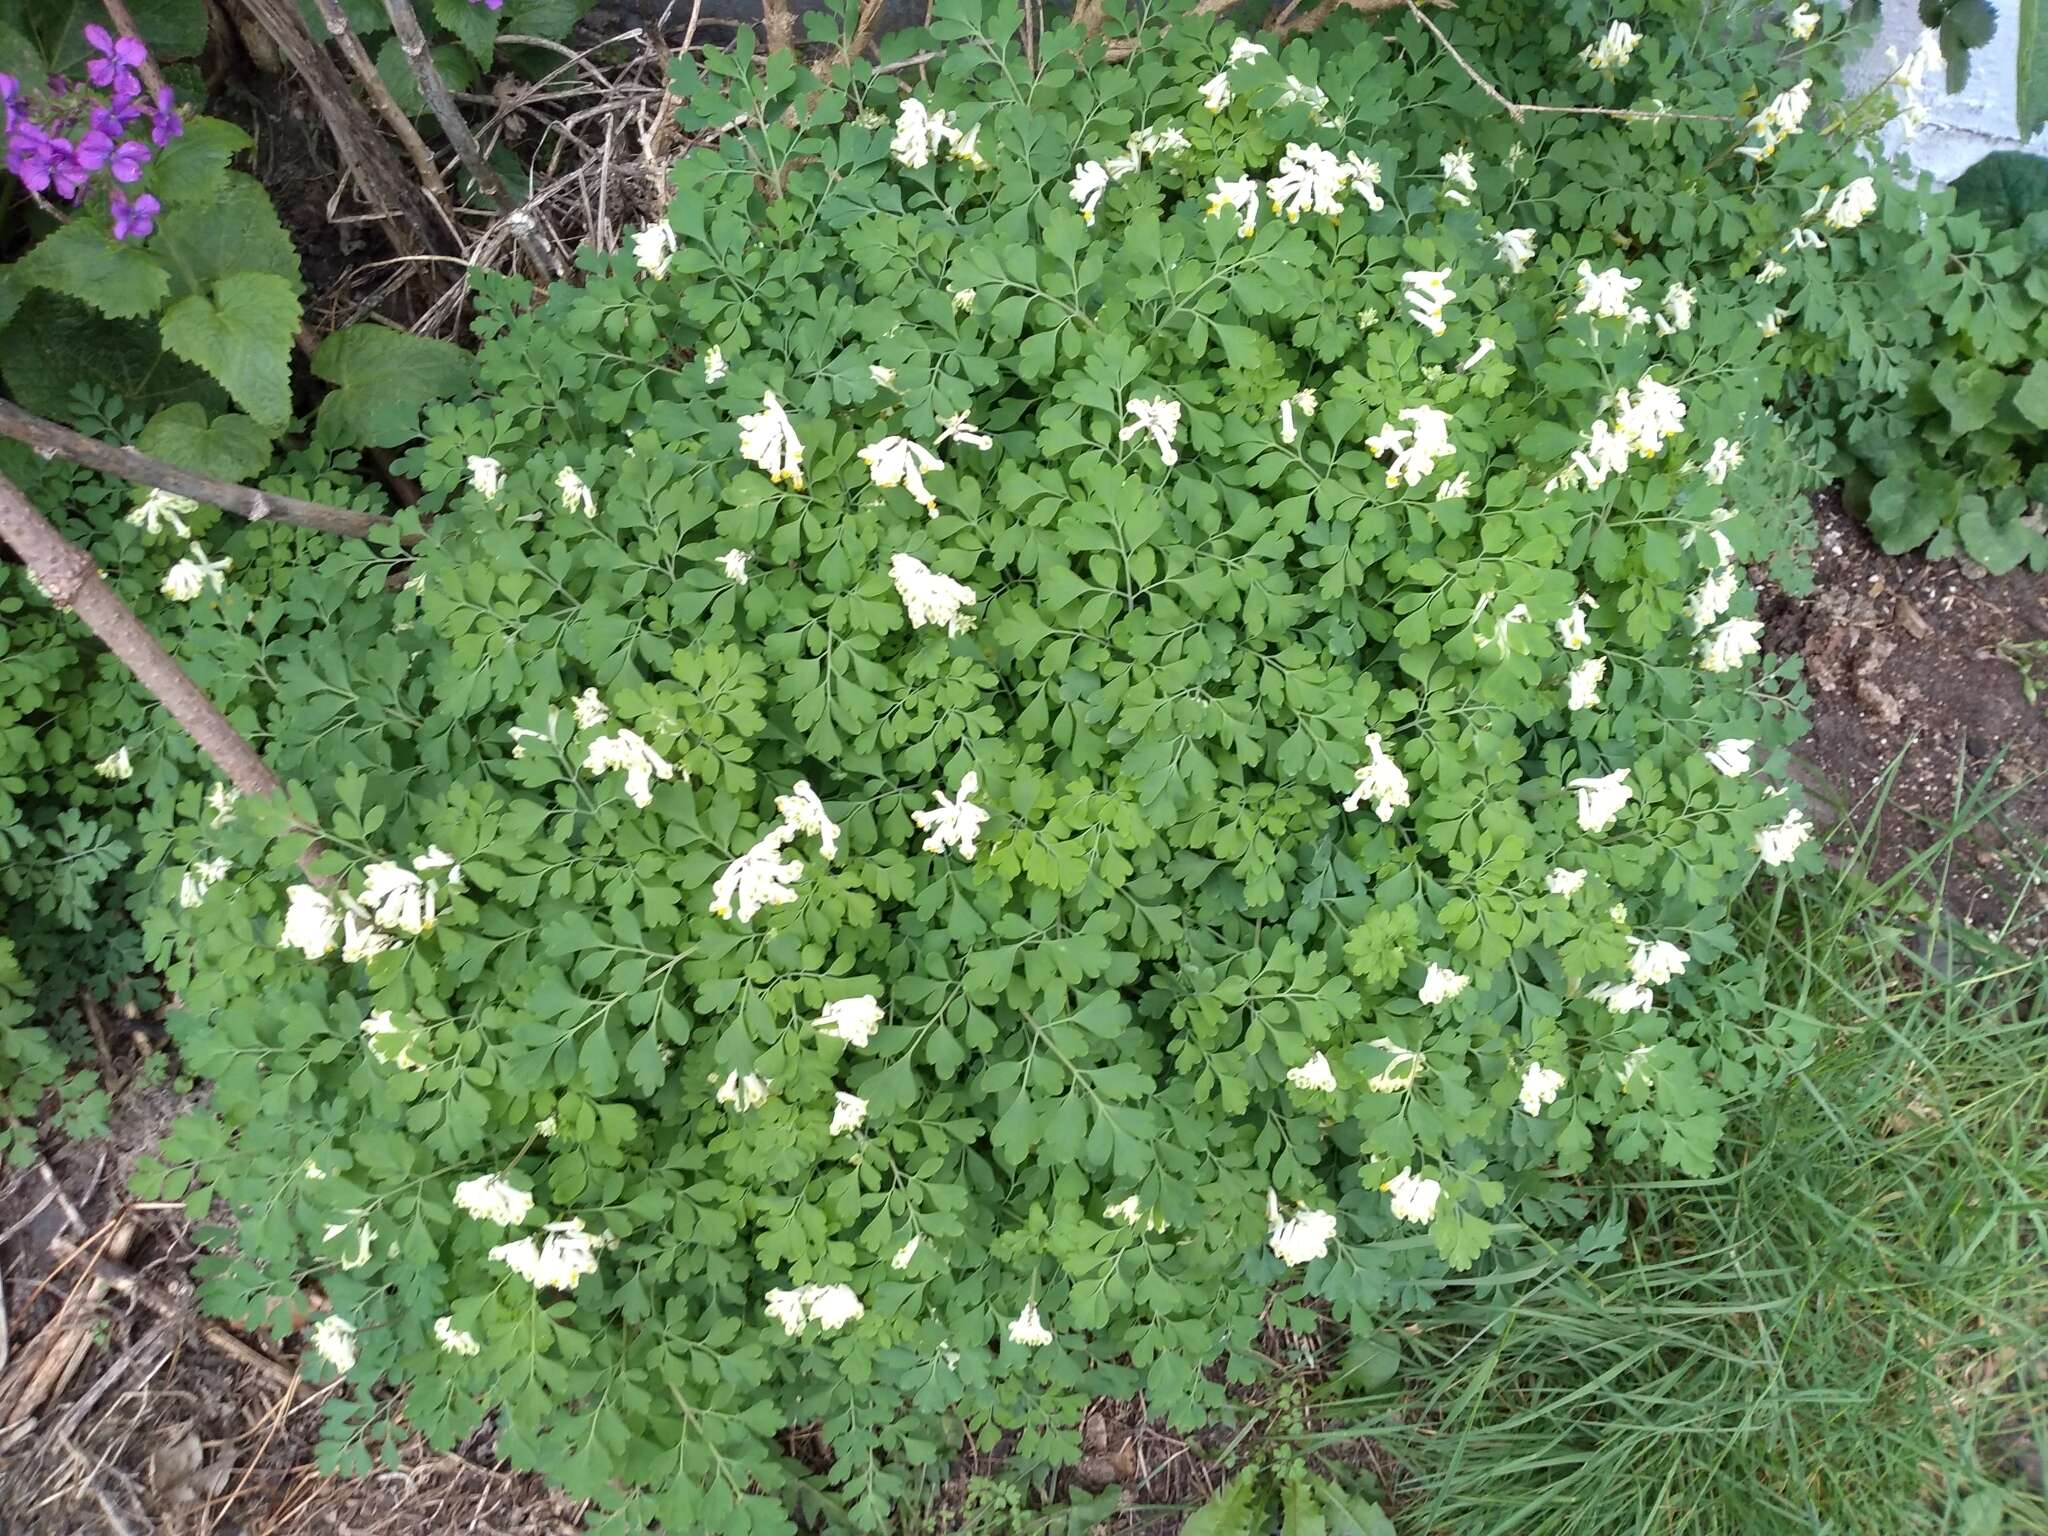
(54, 441)
(526, 228)
(68, 574)
(396, 197)
(124, 24)
(387, 106)
(1518, 109)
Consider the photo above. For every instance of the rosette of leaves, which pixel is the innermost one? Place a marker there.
(1164, 696)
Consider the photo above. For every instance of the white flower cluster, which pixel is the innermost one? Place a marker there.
(1301, 1238)
(334, 1340)
(1092, 178)
(1402, 1068)
(922, 133)
(1312, 1076)
(955, 822)
(1029, 1329)
(1216, 93)
(1161, 419)
(199, 879)
(1779, 120)
(831, 1307)
(762, 876)
(743, 1093)
(1417, 448)
(1539, 1087)
(654, 248)
(1380, 781)
(852, 1019)
(1413, 1198)
(559, 1260)
(454, 1340)
(1425, 294)
(194, 574)
(894, 461)
(394, 901)
(629, 753)
(769, 442)
(492, 1197)
(1615, 48)
(931, 598)
(1440, 984)
(161, 512)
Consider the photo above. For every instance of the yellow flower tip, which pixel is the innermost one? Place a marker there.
(1087, 215)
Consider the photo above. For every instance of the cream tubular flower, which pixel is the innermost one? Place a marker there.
(958, 429)
(1029, 1329)
(1458, 178)
(1515, 247)
(453, 1339)
(852, 1019)
(760, 877)
(1624, 997)
(1605, 294)
(1413, 1199)
(161, 512)
(1301, 1238)
(929, 598)
(1601, 799)
(1441, 984)
(334, 1340)
(849, 1110)
(1417, 449)
(199, 879)
(715, 366)
(1571, 629)
(1653, 963)
(311, 924)
(1425, 295)
(954, 823)
(1090, 181)
(493, 1198)
(1583, 686)
(1539, 1087)
(1564, 882)
(1241, 197)
(116, 765)
(1730, 757)
(734, 563)
(802, 810)
(1310, 180)
(1731, 645)
(920, 134)
(576, 495)
(1160, 418)
(898, 461)
(654, 248)
(1399, 1074)
(486, 476)
(1776, 844)
(1802, 22)
(1615, 48)
(640, 762)
(744, 1093)
(1380, 781)
(1853, 204)
(768, 441)
(1313, 1075)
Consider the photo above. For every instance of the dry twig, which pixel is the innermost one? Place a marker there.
(525, 226)
(51, 440)
(387, 106)
(177, 1309)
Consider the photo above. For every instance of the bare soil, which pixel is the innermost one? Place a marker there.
(1929, 709)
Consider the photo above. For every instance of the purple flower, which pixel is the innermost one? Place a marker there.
(94, 150)
(165, 124)
(30, 156)
(68, 174)
(128, 160)
(136, 220)
(120, 56)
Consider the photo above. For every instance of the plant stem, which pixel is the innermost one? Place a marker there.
(525, 226)
(52, 441)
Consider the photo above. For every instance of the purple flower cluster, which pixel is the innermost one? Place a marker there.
(489, 5)
(59, 138)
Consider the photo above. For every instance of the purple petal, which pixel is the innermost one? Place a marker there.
(128, 161)
(99, 37)
(129, 51)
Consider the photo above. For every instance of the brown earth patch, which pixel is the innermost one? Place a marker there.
(1930, 709)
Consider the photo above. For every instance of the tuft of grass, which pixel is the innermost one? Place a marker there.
(1846, 1332)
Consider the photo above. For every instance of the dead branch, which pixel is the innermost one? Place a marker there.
(413, 220)
(1519, 109)
(48, 1365)
(533, 237)
(53, 441)
(387, 107)
(72, 580)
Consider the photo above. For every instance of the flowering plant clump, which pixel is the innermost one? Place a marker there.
(63, 137)
(900, 940)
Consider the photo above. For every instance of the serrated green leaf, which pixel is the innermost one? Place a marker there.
(54, 344)
(228, 447)
(116, 277)
(383, 379)
(237, 231)
(474, 26)
(241, 333)
(191, 169)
